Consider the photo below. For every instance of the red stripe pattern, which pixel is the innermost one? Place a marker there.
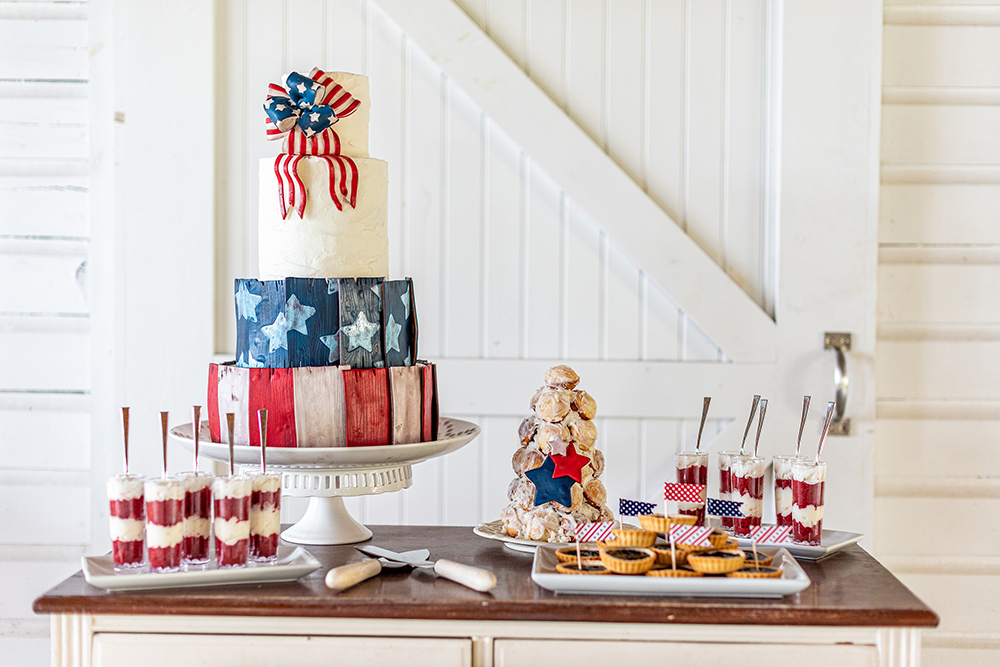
(772, 535)
(693, 535)
(593, 532)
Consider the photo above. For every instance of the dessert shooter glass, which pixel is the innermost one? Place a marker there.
(808, 485)
(265, 516)
(197, 516)
(126, 500)
(783, 488)
(165, 523)
(726, 484)
(232, 520)
(692, 468)
(746, 473)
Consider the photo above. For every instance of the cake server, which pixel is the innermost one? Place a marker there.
(348, 575)
(475, 578)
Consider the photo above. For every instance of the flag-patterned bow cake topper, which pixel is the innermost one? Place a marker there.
(302, 112)
(772, 535)
(594, 532)
(634, 507)
(730, 508)
(693, 535)
(685, 493)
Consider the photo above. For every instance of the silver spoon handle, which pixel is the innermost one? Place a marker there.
(753, 411)
(125, 435)
(760, 425)
(826, 427)
(195, 428)
(704, 416)
(802, 425)
(231, 424)
(164, 428)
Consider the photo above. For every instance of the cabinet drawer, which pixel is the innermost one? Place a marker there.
(162, 650)
(548, 653)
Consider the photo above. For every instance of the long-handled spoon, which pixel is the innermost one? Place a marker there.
(163, 428)
(125, 434)
(826, 428)
(704, 416)
(753, 411)
(760, 425)
(802, 424)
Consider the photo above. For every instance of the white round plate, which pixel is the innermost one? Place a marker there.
(493, 530)
(452, 435)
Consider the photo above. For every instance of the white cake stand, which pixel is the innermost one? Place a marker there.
(326, 475)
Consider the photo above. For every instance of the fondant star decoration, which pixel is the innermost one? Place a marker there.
(548, 487)
(277, 333)
(361, 333)
(378, 291)
(405, 298)
(246, 303)
(392, 331)
(334, 345)
(253, 363)
(332, 285)
(296, 315)
(569, 465)
(558, 446)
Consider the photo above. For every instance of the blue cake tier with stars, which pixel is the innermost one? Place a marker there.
(296, 322)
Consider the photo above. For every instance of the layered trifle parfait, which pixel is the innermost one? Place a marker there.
(747, 479)
(197, 517)
(165, 523)
(692, 468)
(231, 496)
(726, 484)
(783, 489)
(808, 485)
(265, 516)
(126, 499)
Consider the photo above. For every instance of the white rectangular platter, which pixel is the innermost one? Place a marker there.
(292, 563)
(793, 580)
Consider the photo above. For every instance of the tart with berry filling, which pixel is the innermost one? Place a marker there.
(758, 559)
(751, 572)
(657, 523)
(625, 537)
(591, 566)
(719, 561)
(663, 555)
(627, 560)
(567, 554)
(667, 571)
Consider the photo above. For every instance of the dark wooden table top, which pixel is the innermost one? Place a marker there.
(849, 588)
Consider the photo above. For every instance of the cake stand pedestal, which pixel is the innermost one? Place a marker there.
(326, 475)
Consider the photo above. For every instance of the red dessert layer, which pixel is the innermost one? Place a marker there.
(198, 503)
(165, 512)
(231, 555)
(127, 553)
(196, 549)
(264, 548)
(804, 495)
(165, 558)
(129, 509)
(694, 475)
(233, 508)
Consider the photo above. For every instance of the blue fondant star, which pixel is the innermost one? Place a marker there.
(548, 488)
(361, 333)
(246, 303)
(405, 298)
(296, 315)
(253, 363)
(392, 331)
(277, 333)
(378, 291)
(334, 345)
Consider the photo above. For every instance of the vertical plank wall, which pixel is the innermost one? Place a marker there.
(44, 312)
(938, 427)
(505, 265)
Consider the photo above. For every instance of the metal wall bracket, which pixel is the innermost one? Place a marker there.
(839, 343)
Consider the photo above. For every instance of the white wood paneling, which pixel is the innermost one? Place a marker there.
(966, 603)
(913, 447)
(44, 206)
(940, 134)
(899, 518)
(937, 293)
(41, 438)
(43, 49)
(940, 56)
(939, 213)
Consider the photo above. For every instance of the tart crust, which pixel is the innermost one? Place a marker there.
(663, 555)
(668, 571)
(750, 572)
(762, 559)
(625, 537)
(655, 522)
(612, 560)
(712, 562)
(568, 554)
(682, 519)
(595, 565)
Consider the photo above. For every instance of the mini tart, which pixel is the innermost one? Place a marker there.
(719, 538)
(655, 522)
(680, 571)
(568, 554)
(717, 562)
(663, 555)
(628, 560)
(682, 519)
(731, 544)
(762, 559)
(625, 537)
(591, 566)
(751, 572)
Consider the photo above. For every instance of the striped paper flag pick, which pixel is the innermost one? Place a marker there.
(694, 535)
(730, 508)
(685, 493)
(772, 535)
(593, 532)
(634, 507)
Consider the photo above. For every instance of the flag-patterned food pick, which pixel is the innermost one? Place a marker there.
(570, 465)
(594, 532)
(730, 508)
(772, 534)
(549, 488)
(634, 507)
(694, 535)
(685, 493)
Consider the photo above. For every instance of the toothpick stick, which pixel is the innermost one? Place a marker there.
(760, 425)
(673, 550)
(231, 423)
(163, 427)
(704, 416)
(125, 434)
(195, 428)
(756, 558)
(262, 424)
(753, 411)
(579, 561)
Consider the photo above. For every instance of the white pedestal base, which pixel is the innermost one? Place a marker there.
(326, 521)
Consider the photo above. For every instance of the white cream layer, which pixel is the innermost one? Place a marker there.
(751, 468)
(231, 531)
(750, 506)
(161, 537)
(231, 487)
(783, 501)
(196, 483)
(783, 468)
(266, 521)
(196, 526)
(809, 474)
(807, 516)
(127, 530)
(158, 490)
(266, 483)
(690, 460)
(689, 506)
(121, 487)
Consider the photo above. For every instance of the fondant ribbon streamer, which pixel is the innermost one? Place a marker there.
(303, 111)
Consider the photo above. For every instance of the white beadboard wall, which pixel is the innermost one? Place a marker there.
(44, 312)
(938, 354)
(505, 265)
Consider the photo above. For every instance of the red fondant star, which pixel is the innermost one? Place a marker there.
(569, 465)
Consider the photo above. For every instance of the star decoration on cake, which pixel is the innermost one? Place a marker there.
(296, 315)
(277, 333)
(253, 363)
(246, 303)
(378, 291)
(558, 446)
(569, 465)
(392, 331)
(361, 333)
(332, 285)
(405, 298)
(549, 488)
(333, 343)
